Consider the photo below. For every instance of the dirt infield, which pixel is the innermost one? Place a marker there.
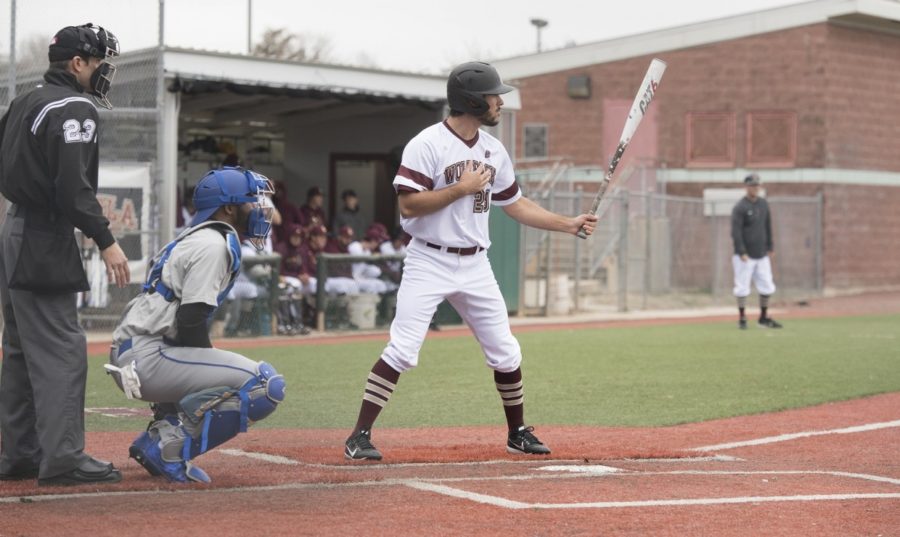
(826, 470)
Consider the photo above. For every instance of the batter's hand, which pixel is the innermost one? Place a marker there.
(475, 180)
(588, 221)
(744, 258)
(116, 265)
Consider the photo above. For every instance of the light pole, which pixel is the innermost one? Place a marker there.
(539, 25)
(249, 26)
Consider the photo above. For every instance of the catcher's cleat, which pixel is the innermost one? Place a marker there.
(522, 441)
(359, 447)
(145, 450)
(769, 322)
(742, 324)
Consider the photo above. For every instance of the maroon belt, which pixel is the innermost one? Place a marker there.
(472, 250)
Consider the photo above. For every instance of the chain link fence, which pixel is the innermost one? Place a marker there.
(651, 250)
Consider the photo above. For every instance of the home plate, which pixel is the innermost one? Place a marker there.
(591, 469)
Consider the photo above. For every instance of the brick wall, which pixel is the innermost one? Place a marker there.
(862, 100)
(771, 72)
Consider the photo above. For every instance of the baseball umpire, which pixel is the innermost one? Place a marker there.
(450, 175)
(201, 396)
(50, 158)
(751, 232)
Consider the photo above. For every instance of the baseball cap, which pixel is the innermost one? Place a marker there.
(313, 191)
(294, 229)
(346, 232)
(751, 180)
(318, 231)
(74, 41)
(347, 193)
(377, 232)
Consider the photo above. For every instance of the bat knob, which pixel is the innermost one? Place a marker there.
(581, 234)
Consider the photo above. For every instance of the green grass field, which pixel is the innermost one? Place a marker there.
(642, 376)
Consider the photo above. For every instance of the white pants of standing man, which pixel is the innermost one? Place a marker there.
(759, 271)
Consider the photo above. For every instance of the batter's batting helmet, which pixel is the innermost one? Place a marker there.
(469, 83)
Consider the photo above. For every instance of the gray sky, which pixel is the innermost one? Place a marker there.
(416, 35)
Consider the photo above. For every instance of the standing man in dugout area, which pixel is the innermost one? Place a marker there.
(450, 175)
(49, 162)
(201, 396)
(751, 232)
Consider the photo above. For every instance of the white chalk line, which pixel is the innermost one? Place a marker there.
(805, 434)
(277, 459)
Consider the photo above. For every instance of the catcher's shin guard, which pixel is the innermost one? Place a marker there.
(219, 414)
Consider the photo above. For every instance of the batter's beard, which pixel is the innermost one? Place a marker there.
(489, 121)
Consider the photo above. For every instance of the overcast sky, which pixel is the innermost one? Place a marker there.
(415, 35)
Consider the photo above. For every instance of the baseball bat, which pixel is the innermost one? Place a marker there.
(635, 115)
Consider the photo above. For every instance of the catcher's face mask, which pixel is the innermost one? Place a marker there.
(102, 79)
(237, 186)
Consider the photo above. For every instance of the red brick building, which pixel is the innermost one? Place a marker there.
(807, 95)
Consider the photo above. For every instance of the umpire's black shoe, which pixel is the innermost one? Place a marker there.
(523, 441)
(359, 447)
(20, 474)
(769, 322)
(88, 472)
(742, 324)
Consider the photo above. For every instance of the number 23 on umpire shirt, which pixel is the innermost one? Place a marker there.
(435, 159)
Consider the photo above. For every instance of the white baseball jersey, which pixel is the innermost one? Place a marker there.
(435, 159)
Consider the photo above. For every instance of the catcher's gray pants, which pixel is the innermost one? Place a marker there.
(43, 374)
(168, 373)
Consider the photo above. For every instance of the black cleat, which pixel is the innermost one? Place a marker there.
(769, 322)
(742, 324)
(523, 441)
(359, 447)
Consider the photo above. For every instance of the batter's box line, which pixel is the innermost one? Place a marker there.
(278, 459)
(437, 486)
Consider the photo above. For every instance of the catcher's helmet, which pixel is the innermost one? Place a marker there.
(469, 83)
(235, 186)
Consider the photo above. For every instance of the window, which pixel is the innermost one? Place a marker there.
(771, 138)
(535, 144)
(709, 139)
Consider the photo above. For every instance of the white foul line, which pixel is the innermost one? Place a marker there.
(716, 501)
(794, 436)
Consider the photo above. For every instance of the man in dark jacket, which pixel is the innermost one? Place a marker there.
(48, 171)
(349, 214)
(751, 232)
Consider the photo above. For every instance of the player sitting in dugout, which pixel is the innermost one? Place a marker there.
(201, 396)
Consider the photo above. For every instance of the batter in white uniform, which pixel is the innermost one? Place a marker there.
(451, 173)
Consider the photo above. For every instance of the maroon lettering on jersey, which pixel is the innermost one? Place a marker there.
(453, 172)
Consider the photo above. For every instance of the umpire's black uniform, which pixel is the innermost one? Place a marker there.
(48, 171)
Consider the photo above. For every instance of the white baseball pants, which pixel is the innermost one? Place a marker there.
(468, 283)
(759, 271)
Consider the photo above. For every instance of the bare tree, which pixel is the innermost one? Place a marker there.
(279, 43)
(31, 53)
